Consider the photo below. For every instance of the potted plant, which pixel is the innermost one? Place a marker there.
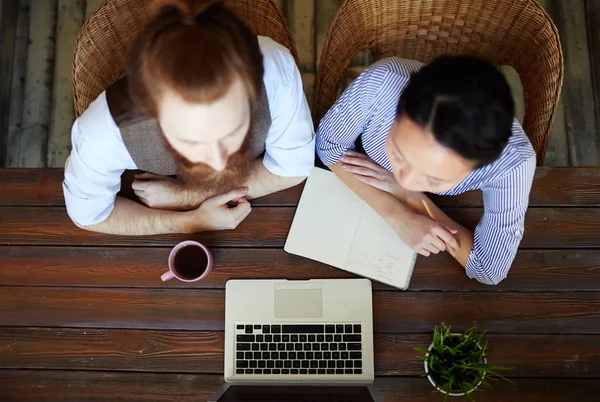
(456, 364)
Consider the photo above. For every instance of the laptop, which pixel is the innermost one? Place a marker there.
(298, 341)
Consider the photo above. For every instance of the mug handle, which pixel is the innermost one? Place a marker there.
(167, 275)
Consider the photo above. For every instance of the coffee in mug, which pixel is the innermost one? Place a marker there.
(189, 261)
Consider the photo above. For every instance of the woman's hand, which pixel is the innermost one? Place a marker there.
(423, 234)
(365, 170)
(418, 231)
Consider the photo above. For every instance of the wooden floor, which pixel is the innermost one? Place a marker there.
(85, 317)
(37, 39)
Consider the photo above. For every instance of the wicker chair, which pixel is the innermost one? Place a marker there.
(517, 33)
(103, 42)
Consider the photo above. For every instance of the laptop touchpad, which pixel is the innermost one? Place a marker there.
(298, 301)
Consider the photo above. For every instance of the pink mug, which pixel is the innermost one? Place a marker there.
(189, 261)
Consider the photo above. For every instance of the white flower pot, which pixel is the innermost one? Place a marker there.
(432, 381)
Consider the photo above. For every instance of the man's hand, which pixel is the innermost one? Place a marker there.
(369, 172)
(423, 234)
(217, 213)
(162, 192)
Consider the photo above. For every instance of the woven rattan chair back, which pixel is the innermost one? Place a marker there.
(518, 33)
(104, 39)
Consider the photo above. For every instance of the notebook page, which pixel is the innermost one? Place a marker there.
(325, 221)
(378, 253)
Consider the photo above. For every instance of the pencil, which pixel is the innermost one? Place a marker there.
(432, 216)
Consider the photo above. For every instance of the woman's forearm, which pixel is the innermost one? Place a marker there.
(383, 203)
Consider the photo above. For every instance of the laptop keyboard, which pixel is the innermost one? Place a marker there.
(333, 349)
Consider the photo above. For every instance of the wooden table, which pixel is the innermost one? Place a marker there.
(84, 316)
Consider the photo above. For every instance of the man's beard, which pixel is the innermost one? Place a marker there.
(203, 177)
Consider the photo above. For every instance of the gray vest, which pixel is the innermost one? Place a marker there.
(142, 137)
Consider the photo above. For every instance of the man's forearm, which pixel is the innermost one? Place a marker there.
(261, 182)
(131, 218)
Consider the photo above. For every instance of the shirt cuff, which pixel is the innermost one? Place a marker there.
(474, 270)
(295, 162)
(86, 212)
(332, 156)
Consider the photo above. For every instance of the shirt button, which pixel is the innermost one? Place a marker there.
(518, 232)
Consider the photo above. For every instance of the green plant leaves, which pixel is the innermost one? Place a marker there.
(457, 362)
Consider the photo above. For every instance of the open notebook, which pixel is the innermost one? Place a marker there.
(334, 226)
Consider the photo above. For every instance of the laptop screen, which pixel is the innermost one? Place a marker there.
(238, 393)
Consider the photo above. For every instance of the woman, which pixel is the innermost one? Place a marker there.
(445, 128)
(203, 99)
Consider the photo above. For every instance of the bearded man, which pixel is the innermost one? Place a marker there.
(212, 115)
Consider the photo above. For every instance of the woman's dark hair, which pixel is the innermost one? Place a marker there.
(465, 102)
(196, 48)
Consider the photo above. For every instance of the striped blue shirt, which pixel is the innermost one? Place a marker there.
(367, 108)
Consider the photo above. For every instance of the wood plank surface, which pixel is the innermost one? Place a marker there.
(203, 310)
(530, 355)
(558, 146)
(105, 349)
(67, 386)
(516, 87)
(17, 90)
(301, 18)
(84, 316)
(533, 270)
(203, 352)
(547, 228)
(551, 187)
(578, 93)
(69, 20)
(356, 66)
(282, 6)
(593, 20)
(325, 12)
(43, 187)
(308, 83)
(576, 21)
(9, 11)
(33, 136)
(300, 15)
(91, 6)
(264, 227)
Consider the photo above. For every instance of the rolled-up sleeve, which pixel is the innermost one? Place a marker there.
(290, 143)
(500, 231)
(365, 106)
(345, 121)
(94, 168)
